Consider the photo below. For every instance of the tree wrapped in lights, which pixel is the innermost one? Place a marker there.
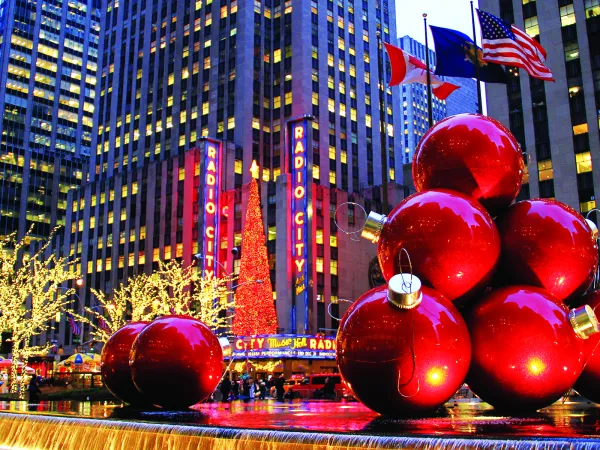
(31, 295)
(212, 303)
(172, 283)
(172, 289)
(181, 290)
(255, 310)
(137, 298)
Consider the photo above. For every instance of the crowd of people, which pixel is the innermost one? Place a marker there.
(246, 388)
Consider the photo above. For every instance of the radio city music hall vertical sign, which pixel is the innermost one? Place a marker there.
(298, 167)
(211, 177)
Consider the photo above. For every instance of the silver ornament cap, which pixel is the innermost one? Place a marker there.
(404, 291)
(373, 226)
(594, 228)
(584, 321)
(225, 346)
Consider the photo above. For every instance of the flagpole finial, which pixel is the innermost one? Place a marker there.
(424, 15)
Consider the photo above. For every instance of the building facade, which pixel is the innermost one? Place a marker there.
(48, 71)
(555, 123)
(174, 73)
(415, 121)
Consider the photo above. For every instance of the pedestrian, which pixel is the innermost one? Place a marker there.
(246, 389)
(279, 382)
(235, 389)
(262, 389)
(329, 389)
(34, 390)
(225, 388)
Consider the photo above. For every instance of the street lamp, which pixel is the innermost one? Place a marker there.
(199, 256)
(247, 282)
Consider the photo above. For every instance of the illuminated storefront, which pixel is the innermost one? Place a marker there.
(288, 353)
(299, 203)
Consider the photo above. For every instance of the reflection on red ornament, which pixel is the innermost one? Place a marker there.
(176, 362)
(547, 244)
(400, 362)
(452, 241)
(588, 383)
(472, 154)
(526, 354)
(116, 374)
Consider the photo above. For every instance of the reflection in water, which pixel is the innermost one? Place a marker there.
(277, 425)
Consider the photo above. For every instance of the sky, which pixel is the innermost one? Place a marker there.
(454, 14)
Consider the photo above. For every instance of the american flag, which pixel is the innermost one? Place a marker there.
(75, 329)
(506, 44)
(102, 324)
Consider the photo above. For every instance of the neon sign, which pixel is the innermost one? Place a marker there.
(284, 346)
(211, 177)
(299, 219)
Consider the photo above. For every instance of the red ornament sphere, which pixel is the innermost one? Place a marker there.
(588, 383)
(548, 244)
(526, 354)
(472, 154)
(401, 362)
(452, 241)
(116, 374)
(176, 362)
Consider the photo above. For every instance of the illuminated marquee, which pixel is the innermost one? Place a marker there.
(299, 219)
(212, 185)
(284, 346)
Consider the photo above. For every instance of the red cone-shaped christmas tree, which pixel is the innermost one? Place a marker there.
(254, 308)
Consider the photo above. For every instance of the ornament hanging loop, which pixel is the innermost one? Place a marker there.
(405, 285)
(414, 370)
(594, 227)
(354, 235)
(329, 308)
(400, 387)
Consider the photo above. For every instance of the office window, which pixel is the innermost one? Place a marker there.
(583, 162)
(567, 15)
(592, 8)
(531, 26)
(545, 170)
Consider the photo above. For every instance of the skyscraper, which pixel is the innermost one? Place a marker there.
(414, 101)
(48, 68)
(555, 123)
(236, 73)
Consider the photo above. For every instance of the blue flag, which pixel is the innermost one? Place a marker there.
(455, 55)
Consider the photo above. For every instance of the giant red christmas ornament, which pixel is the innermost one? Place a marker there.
(473, 154)
(453, 242)
(176, 362)
(588, 383)
(547, 244)
(528, 348)
(116, 374)
(404, 354)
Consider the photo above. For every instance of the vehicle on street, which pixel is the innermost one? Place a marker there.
(312, 386)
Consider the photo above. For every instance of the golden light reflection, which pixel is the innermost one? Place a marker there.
(536, 366)
(435, 376)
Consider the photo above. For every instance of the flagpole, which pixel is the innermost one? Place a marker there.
(429, 105)
(476, 53)
(384, 158)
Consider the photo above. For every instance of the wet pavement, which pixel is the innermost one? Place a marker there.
(468, 419)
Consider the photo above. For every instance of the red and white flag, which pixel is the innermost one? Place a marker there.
(406, 69)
